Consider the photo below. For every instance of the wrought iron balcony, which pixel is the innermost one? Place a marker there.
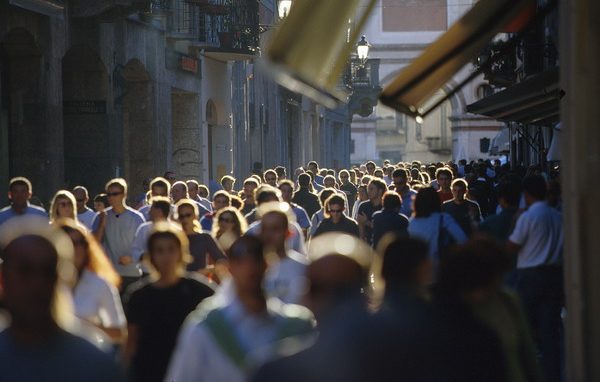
(230, 28)
(108, 9)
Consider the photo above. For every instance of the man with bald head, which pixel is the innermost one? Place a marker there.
(35, 347)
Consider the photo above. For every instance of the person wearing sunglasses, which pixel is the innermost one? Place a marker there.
(231, 225)
(63, 206)
(202, 244)
(335, 220)
(115, 228)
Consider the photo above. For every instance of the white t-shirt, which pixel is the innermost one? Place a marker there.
(97, 301)
(286, 279)
(539, 233)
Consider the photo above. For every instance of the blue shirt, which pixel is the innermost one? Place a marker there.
(301, 216)
(428, 230)
(8, 213)
(64, 357)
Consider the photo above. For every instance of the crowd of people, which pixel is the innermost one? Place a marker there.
(404, 272)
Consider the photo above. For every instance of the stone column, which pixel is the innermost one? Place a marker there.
(580, 77)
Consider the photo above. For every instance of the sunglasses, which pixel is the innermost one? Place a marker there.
(185, 216)
(109, 194)
(64, 204)
(80, 200)
(271, 179)
(336, 211)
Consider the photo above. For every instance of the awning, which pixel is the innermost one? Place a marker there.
(52, 8)
(411, 89)
(534, 100)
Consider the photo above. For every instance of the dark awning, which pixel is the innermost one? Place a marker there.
(534, 100)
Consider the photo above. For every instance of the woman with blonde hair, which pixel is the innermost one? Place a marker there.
(231, 225)
(202, 245)
(157, 306)
(95, 292)
(63, 206)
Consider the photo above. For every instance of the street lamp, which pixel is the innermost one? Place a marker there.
(283, 8)
(362, 48)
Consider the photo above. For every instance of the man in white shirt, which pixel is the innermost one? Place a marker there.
(84, 214)
(231, 334)
(115, 228)
(286, 275)
(538, 242)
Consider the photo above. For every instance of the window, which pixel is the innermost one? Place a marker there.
(484, 145)
(352, 147)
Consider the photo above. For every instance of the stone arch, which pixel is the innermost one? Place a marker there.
(86, 121)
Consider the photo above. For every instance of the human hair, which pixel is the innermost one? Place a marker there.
(182, 184)
(391, 200)
(509, 189)
(117, 182)
(329, 177)
(20, 181)
(400, 173)
(460, 182)
(161, 183)
(81, 188)
(188, 203)
(252, 180)
(237, 202)
(222, 194)
(304, 179)
(246, 246)
(380, 184)
(371, 163)
(62, 195)
(535, 185)
(164, 230)
(280, 170)
(266, 192)
(240, 226)
(443, 171)
(227, 178)
(256, 177)
(401, 258)
(476, 264)
(203, 190)
(97, 261)
(336, 200)
(276, 211)
(346, 172)
(426, 202)
(269, 172)
(325, 194)
(163, 204)
(313, 163)
(286, 182)
(102, 198)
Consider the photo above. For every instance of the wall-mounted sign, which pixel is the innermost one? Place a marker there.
(84, 107)
(179, 61)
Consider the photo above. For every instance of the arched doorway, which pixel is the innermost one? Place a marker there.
(21, 107)
(86, 121)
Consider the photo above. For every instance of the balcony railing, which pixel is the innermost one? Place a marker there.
(231, 26)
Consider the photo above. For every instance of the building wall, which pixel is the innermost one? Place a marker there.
(396, 44)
